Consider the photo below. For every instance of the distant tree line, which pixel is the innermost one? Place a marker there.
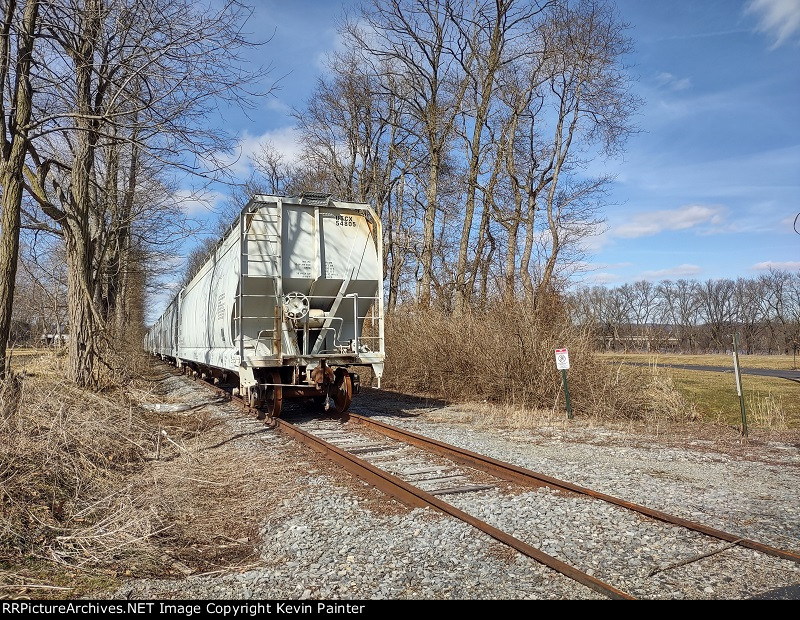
(40, 300)
(694, 317)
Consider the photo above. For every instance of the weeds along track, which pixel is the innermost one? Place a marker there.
(422, 472)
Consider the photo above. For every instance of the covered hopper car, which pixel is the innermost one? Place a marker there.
(288, 303)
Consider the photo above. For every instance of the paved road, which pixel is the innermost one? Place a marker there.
(789, 593)
(794, 375)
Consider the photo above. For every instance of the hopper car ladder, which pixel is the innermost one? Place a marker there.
(262, 240)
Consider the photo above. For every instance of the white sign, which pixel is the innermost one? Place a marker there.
(562, 359)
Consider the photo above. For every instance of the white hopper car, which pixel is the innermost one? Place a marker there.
(287, 304)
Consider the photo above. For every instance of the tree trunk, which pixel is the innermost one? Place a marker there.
(9, 250)
(527, 251)
(83, 325)
(463, 284)
(397, 244)
(428, 232)
(12, 163)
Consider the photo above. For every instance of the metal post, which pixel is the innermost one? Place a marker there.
(355, 323)
(738, 373)
(240, 291)
(566, 393)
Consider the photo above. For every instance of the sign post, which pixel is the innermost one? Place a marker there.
(738, 373)
(562, 364)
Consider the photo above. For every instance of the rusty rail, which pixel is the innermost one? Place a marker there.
(412, 496)
(512, 473)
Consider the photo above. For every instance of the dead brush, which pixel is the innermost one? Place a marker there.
(10, 395)
(665, 404)
(93, 485)
(65, 454)
(766, 411)
(506, 355)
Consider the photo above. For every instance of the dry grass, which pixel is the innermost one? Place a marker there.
(94, 488)
(66, 453)
(770, 402)
(767, 411)
(60, 444)
(503, 361)
(506, 357)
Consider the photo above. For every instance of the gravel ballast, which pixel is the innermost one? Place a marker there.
(333, 537)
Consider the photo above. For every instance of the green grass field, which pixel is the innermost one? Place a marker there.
(778, 362)
(769, 402)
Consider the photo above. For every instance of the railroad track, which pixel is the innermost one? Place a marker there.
(422, 472)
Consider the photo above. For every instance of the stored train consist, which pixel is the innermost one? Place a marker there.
(287, 304)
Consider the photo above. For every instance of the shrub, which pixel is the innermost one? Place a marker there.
(506, 355)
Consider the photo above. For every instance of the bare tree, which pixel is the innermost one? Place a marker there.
(616, 318)
(701, 316)
(642, 301)
(514, 201)
(679, 305)
(749, 318)
(585, 44)
(19, 26)
(530, 90)
(196, 259)
(123, 81)
(415, 45)
(41, 296)
(490, 33)
(276, 173)
(352, 128)
(780, 306)
(793, 312)
(717, 311)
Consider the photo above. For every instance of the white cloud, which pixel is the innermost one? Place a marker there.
(791, 223)
(340, 43)
(157, 302)
(671, 82)
(274, 104)
(779, 19)
(285, 140)
(789, 265)
(654, 222)
(587, 266)
(173, 263)
(595, 243)
(602, 278)
(681, 271)
(195, 203)
(591, 274)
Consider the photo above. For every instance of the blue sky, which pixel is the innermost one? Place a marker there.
(709, 187)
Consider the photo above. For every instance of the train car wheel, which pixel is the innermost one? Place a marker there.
(273, 398)
(342, 394)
